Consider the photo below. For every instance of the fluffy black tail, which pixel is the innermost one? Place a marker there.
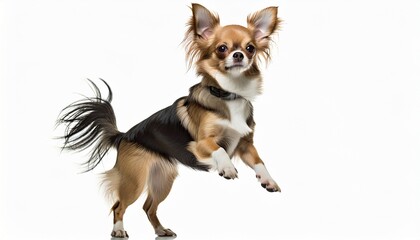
(88, 121)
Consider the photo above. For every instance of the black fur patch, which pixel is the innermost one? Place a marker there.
(163, 133)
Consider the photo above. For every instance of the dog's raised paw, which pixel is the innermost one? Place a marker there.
(229, 172)
(270, 185)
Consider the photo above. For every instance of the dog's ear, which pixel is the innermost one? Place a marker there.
(264, 23)
(204, 21)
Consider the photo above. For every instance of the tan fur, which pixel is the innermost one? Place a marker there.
(208, 133)
(130, 160)
(135, 169)
(203, 125)
(128, 178)
(203, 148)
(161, 177)
(248, 153)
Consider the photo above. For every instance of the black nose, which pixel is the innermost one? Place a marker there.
(238, 56)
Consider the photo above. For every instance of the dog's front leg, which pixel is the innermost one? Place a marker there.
(209, 152)
(248, 153)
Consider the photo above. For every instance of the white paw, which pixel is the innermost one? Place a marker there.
(269, 184)
(164, 232)
(119, 234)
(118, 230)
(265, 179)
(228, 172)
(224, 164)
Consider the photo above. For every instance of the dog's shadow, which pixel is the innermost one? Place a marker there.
(165, 238)
(157, 238)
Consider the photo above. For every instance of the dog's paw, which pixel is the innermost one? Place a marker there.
(265, 179)
(119, 234)
(269, 184)
(165, 232)
(224, 164)
(118, 230)
(228, 172)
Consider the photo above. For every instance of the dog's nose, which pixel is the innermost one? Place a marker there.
(238, 56)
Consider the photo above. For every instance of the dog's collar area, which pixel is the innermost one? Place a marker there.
(222, 94)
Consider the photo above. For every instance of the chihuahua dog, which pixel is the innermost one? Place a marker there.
(203, 130)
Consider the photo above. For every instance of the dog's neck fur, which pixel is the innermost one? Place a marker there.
(247, 84)
(200, 94)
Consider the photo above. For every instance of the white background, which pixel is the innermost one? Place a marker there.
(338, 124)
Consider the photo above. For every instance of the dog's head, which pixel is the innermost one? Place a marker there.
(230, 50)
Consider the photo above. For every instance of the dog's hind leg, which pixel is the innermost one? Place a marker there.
(161, 177)
(118, 229)
(127, 180)
(128, 194)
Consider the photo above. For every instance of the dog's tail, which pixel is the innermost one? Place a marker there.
(89, 121)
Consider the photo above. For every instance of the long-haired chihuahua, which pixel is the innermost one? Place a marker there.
(203, 130)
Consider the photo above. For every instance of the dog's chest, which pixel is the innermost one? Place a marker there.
(239, 112)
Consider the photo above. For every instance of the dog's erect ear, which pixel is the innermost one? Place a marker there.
(204, 21)
(263, 23)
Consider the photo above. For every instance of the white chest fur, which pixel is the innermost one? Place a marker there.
(239, 112)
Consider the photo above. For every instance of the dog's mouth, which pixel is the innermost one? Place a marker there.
(234, 66)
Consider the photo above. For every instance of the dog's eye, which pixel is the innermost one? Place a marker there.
(222, 48)
(250, 48)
